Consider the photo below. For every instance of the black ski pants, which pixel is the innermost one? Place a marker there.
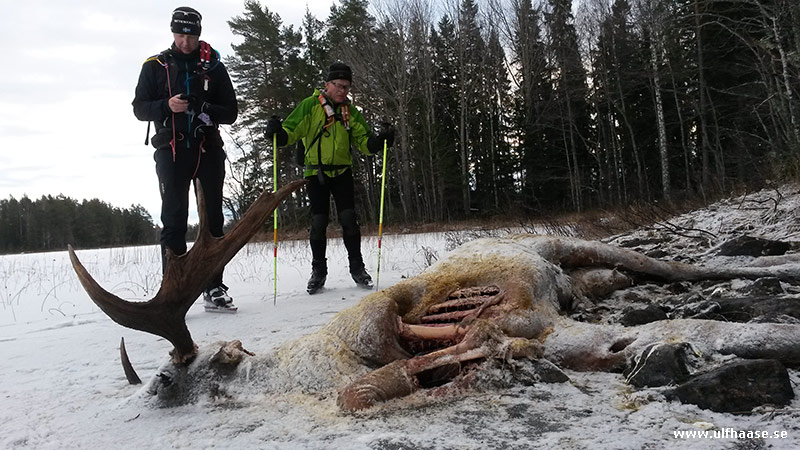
(174, 179)
(343, 191)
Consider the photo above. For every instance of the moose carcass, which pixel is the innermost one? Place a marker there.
(524, 286)
(491, 298)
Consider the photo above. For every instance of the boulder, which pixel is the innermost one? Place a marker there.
(748, 308)
(752, 246)
(764, 286)
(738, 387)
(651, 313)
(659, 365)
(532, 371)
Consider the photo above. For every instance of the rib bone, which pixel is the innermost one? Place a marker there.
(399, 378)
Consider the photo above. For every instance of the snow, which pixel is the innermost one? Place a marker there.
(62, 386)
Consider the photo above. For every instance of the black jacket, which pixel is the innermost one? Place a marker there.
(186, 76)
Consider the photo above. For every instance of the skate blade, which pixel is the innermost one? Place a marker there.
(214, 309)
(365, 286)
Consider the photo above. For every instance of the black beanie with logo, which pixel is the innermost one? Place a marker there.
(186, 20)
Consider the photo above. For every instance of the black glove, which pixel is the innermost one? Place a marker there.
(274, 128)
(195, 104)
(198, 107)
(385, 133)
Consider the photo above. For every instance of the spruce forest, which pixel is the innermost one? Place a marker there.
(511, 109)
(507, 108)
(51, 223)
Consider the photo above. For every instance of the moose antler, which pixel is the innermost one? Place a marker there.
(185, 277)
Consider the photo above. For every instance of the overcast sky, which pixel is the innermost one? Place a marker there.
(66, 121)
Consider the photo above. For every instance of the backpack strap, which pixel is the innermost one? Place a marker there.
(346, 116)
(330, 119)
(161, 59)
(330, 113)
(319, 166)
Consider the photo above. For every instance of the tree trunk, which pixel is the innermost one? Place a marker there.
(793, 123)
(684, 147)
(655, 56)
(701, 90)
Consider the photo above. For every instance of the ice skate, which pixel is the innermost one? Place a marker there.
(217, 300)
(361, 277)
(319, 273)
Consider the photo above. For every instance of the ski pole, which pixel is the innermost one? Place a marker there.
(275, 214)
(380, 220)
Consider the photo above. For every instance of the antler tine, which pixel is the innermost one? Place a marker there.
(137, 315)
(185, 278)
(246, 227)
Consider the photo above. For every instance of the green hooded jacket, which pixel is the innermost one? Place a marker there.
(305, 123)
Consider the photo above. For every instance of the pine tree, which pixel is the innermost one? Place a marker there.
(470, 49)
(422, 121)
(270, 75)
(623, 101)
(350, 28)
(573, 166)
(533, 100)
(315, 48)
(494, 168)
(447, 92)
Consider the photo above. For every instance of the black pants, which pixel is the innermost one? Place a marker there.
(341, 187)
(174, 179)
(343, 191)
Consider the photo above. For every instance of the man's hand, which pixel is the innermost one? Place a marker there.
(274, 128)
(273, 124)
(178, 104)
(386, 133)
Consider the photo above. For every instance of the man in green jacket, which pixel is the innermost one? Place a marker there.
(328, 125)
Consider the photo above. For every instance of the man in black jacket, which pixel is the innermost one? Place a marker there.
(186, 92)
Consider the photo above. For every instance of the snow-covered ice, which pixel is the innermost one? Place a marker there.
(62, 386)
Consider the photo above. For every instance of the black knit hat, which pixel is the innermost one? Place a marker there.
(339, 71)
(186, 20)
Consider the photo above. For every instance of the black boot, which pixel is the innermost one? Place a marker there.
(360, 275)
(319, 273)
(353, 245)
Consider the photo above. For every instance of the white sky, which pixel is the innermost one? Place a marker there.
(66, 120)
